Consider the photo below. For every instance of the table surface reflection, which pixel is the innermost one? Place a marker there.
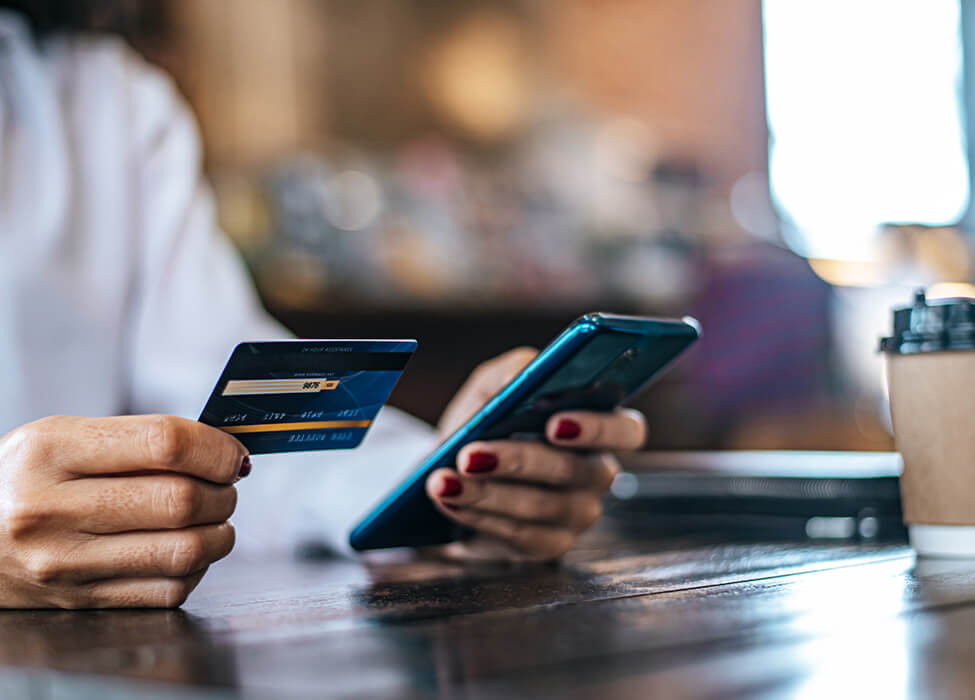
(620, 617)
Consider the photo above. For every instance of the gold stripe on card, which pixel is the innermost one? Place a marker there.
(310, 385)
(310, 425)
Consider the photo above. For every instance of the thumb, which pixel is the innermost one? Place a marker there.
(485, 381)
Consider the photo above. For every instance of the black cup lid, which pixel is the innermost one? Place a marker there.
(932, 326)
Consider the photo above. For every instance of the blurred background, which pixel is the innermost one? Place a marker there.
(478, 174)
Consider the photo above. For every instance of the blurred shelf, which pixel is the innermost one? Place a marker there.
(337, 303)
(452, 340)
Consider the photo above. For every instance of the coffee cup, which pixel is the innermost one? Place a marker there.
(930, 359)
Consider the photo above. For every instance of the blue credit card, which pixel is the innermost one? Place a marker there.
(302, 395)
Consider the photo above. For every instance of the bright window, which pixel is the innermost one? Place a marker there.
(865, 119)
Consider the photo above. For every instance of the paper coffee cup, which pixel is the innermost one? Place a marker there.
(931, 379)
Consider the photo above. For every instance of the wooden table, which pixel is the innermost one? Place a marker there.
(620, 617)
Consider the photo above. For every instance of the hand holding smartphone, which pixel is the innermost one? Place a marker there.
(600, 361)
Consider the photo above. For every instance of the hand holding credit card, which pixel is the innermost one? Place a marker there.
(303, 395)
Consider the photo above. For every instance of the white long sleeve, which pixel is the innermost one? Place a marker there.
(132, 299)
(196, 304)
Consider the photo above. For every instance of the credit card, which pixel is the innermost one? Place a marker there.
(302, 395)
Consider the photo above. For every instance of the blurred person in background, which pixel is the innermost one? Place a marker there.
(118, 295)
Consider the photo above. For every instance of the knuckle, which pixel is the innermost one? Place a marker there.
(74, 599)
(514, 462)
(231, 504)
(187, 554)
(475, 493)
(229, 537)
(466, 516)
(526, 460)
(502, 527)
(598, 432)
(27, 444)
(563, 469)
(573, 469)
(173, 593)
(516, 532)
(590, 511)
(181, 502)
(22, 520)
(42, 567)
(555, 545)
(74, 602)
(563, 543)
(639, 427)
(168, 440)
(20, 439)
(540, 504)
(608, 468)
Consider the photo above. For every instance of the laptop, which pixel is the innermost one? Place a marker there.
(768, 494)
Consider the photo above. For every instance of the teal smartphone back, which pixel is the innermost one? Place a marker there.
(596, 364)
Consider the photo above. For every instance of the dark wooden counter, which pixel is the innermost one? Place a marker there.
(618, 618)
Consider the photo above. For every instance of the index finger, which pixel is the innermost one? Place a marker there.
(125, 444)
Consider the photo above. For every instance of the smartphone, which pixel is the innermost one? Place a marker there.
(597, 363)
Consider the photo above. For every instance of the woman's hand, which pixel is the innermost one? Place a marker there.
(113, 512)
(529, 500)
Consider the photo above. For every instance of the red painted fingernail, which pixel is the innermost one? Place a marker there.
(245, 467)
(481, 462)
(567, 429)
(451, 486)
